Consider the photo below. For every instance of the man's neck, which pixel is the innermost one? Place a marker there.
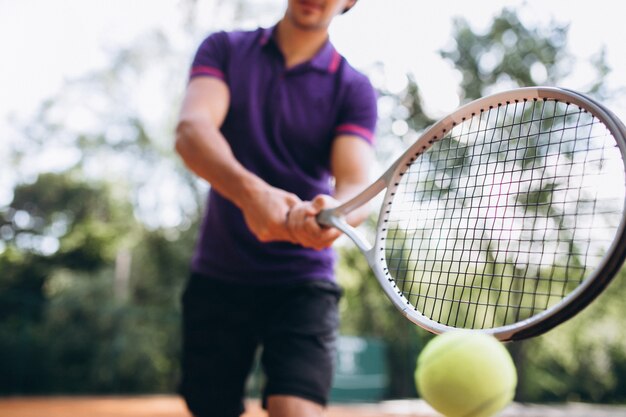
(299, 45)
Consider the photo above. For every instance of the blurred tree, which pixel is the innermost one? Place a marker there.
(91, 272)
(116, 124)
(508, 54)
(109, 344)
(366, 311)
(513, 54)
(57, 223)
(65, 326)
(583, 359)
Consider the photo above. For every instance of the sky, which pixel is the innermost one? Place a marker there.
(46, 43)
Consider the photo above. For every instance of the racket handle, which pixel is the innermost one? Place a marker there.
(324, 218)
(329, 218)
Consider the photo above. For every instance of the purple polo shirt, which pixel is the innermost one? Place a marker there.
(280, 125)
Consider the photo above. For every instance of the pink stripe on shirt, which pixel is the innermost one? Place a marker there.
(201, 70)
(355, 129)
(334, 63)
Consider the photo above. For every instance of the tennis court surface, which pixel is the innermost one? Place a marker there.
(172, 406)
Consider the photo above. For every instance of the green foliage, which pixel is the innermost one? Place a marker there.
(508, 52)
(71, 321)
(88, 292)
(55, 222)
(583, 359)
(366, 311)
(100, 343)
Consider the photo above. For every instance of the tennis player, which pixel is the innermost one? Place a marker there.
(281, 126)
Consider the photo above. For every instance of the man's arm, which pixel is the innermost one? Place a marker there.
(350, 160)
(207, 153)
(350, 163)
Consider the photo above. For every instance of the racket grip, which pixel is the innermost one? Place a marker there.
(329, 218)
(324, 218)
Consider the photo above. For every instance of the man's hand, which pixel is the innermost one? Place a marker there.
(265, 213)
(304, 228)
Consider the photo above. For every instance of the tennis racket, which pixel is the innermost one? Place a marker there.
(507, 216)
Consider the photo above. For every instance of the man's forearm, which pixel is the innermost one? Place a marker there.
(207, 153)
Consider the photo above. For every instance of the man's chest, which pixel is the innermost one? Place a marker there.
(297, 108)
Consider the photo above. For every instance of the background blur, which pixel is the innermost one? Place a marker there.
(98, 216)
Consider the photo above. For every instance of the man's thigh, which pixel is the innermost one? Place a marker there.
(299, 343)
(219, 345)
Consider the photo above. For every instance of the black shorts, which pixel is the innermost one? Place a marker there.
(225, 323)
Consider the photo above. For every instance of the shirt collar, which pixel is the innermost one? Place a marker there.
(267, 34)
(327, 58)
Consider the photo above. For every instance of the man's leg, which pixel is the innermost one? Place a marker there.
(289, 406)
(299, 347)
(219, 345)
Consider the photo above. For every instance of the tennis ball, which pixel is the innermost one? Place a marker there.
(466, 374)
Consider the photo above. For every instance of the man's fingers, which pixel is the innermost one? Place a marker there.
(303, 227)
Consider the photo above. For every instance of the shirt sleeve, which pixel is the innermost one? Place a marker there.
(359, 113)
(211, 57)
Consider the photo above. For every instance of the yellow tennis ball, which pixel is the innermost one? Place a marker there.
(466, 374)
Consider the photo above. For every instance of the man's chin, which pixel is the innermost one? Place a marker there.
(307, 24)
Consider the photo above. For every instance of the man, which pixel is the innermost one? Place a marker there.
(268, 118)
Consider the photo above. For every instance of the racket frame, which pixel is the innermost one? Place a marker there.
(390, 179)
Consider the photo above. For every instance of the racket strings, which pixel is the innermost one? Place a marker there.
(506, 215)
